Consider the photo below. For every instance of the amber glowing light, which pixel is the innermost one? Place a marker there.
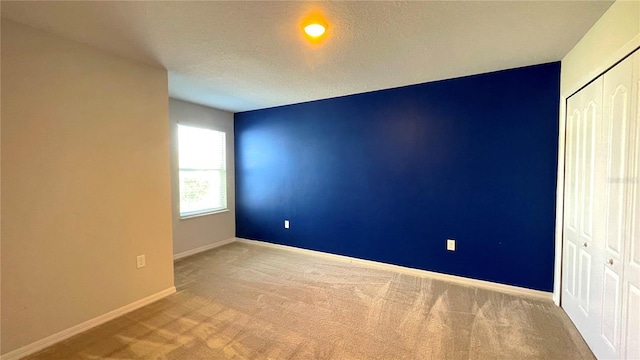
(315, 29)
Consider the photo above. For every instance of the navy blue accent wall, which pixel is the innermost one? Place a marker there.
(390, 175)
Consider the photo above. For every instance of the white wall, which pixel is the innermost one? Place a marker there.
(613, 36)
(85, 183)
(201, 232)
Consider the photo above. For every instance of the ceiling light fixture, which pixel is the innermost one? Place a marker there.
(315, 29)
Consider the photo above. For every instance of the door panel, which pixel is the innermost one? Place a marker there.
(582, 207)
(585, 281)
(572, 152)
(588, 166)
(610, 305)
(571, 208)
(619, 120)
(631, 280)
(570, 260)
(633, 323)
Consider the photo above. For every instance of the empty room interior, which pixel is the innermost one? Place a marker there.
(320, 180)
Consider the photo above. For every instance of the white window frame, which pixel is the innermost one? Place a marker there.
(222, 170)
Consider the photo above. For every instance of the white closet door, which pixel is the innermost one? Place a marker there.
(601, 264)
(631, 281)
(620, 136)
(583, 227)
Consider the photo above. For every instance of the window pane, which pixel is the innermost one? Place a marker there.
(202, 190)
(202, 170)
(200, 148)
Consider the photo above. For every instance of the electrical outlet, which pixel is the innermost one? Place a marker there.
(140, 261)
(451, 245)
(286, 224)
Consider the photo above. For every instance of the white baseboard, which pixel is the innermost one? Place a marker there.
(74, 330)
(202, 248)
(509, 289)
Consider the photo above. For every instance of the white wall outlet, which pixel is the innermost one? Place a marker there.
(140, 261)
(286, 224)
(451, 245)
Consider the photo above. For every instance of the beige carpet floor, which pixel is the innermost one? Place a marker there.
(244, 301)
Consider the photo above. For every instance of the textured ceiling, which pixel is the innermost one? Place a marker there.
(248, 55)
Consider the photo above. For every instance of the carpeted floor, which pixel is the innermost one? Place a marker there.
(244, 301)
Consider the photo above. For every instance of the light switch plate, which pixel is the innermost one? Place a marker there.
(286, 224)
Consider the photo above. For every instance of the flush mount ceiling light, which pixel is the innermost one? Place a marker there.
(315, 29)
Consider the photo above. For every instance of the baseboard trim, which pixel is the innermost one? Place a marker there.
(203, 248)
(509, 289)
(74, 330)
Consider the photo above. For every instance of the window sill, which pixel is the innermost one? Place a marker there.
(187, 217)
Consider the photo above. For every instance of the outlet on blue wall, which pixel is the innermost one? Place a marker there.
(391, 175)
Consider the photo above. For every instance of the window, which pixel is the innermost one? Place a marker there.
(202, 170)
